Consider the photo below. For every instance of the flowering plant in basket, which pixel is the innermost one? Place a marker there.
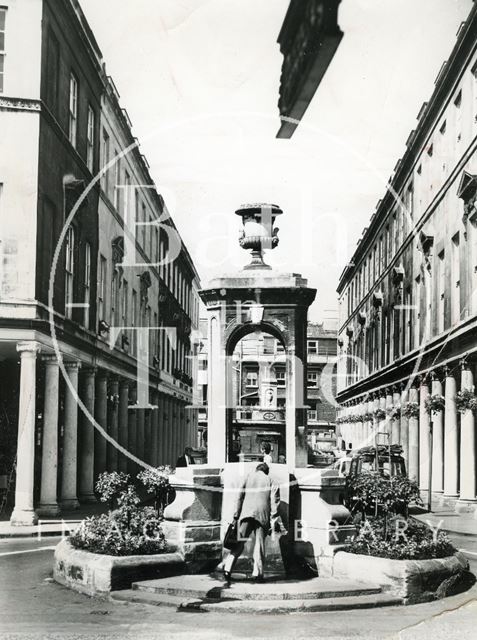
(435, 403)
(465, 400)
(410, 410)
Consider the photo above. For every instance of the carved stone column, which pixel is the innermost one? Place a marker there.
(140, 431)
(451, 439)
(437, 441)
(113, 411)
(395, 422)
(424, 452)
(101, 417)
(133, 467)
(404, 426)
(23, 512)
(155, 431)
(86, 439)
(49, 451)
(467, 448)
(413, 438)
(69, 497)
(123, 424)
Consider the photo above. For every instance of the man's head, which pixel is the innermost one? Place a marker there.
(263, 466)
(266, 447)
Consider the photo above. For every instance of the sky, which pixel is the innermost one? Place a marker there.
(200, 80)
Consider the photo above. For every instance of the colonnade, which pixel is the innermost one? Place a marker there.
(400, 415)
(156, 435)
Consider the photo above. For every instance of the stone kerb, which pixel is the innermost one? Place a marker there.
(192, 521)
(276, 545)
(412, 580)
(322, 524)
(96, 575)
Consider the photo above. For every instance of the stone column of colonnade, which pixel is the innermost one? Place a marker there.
(69, 498)
(451, 448)
(140, 432)
(395, 422)
(437, 440)
(133, 467)
(383, 423)
(113, 424)
(123, 424)
(370, 431)
(404, 425)
(413, 428)
(166, 430)
(467, 448)
(376, 422)
(155, 430)
(23, 512)
(147, 436)
(101, 417)
(49, 451)
(388, 422)
(160, 430)
(424, 452)
(86, 437)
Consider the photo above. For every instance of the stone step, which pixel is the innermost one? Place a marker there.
(207, 587)
(346, 603)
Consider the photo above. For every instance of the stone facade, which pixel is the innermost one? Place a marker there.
(408, 310)
(71, 337)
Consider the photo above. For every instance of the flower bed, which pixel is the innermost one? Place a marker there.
(129, 529)
(98, 574)
(412, 580)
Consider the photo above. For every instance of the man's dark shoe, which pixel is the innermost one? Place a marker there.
(228, 578)
(258, 579)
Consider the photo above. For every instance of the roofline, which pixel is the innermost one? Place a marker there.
(445, 81)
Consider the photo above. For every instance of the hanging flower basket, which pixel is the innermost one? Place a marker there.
(368, 417)
(435, 403)
(466, 400)
(379, 414)
(394, 411)
(410, 410)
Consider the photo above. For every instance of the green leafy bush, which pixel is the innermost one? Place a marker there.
(156, 481)
(124, 531)
(121, 533)
(400, 539)
(374, 491)
(111, 485)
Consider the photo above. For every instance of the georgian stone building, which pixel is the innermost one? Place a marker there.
(407, 299)
(94, 277)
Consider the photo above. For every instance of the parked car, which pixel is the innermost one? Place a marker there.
(319, 458)
(342, 466)
(390, 461)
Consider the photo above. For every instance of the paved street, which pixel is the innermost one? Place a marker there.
(33, 606)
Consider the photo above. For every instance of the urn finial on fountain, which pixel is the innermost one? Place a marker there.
(258, 231)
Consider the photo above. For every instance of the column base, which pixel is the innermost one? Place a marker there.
(23, 518)
(69, 504)
(464, 505)
(87, 498)
(51, 509)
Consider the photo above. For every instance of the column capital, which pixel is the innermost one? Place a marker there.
(124, 383)
(464, 365)
(28, 348)
(50, 359)
(89, 370)
(72, 364)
